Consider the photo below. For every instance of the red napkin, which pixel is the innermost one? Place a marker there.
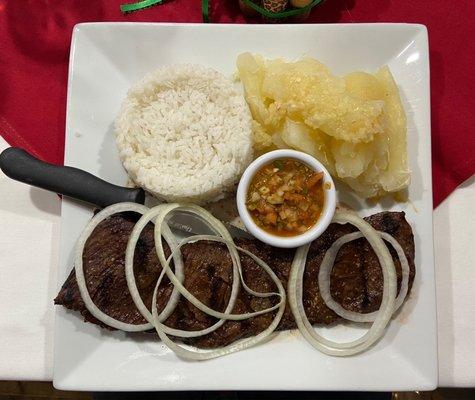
(34, 47)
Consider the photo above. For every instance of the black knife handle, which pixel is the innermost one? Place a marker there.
(17, 164)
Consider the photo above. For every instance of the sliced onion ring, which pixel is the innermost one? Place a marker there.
(387, 304)
(78, 266)
(199, 355)
(326, 268)
(129, 257)
(159, 221)
(158, 216)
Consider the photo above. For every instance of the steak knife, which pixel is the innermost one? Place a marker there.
(80, 185)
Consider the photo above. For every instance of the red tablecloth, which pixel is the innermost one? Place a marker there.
(34, 47)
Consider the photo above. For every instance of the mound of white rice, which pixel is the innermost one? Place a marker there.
(184, 134)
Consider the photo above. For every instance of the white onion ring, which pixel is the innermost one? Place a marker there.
(129, 272)
(326, 268)
(226, 238)
(78, 266)
(146, 218)
(228, 241)
(387, 304)
(184, 353)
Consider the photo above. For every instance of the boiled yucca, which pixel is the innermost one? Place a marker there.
(355, 125)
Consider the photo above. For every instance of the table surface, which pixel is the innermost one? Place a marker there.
(29, 237)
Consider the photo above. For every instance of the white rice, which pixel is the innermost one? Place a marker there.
(184, 134)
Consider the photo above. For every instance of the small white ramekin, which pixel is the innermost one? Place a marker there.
(292, 241)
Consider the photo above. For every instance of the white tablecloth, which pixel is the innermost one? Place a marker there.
(29, 237)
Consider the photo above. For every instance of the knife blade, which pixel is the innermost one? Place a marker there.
(189, 224)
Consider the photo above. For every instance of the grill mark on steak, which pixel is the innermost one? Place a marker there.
(356, 279)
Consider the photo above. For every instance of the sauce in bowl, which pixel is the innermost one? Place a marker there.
(286, 197)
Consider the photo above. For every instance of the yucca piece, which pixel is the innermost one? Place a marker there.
(397, 175)
(251, 73)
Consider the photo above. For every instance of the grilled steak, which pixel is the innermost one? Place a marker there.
(356, 280)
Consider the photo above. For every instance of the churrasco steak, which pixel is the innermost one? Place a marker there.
(356, 280)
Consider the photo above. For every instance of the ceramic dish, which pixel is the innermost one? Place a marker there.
(88, 358)
(329, 202)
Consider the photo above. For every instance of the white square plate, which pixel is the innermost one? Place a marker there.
(105, 60)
